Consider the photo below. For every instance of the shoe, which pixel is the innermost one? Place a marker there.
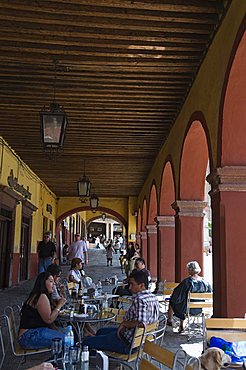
(181, 330)
(169, 323)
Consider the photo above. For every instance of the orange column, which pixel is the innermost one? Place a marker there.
(152, 249)
(188, 234)
(166, 248)
(228, 197)
(143, 236)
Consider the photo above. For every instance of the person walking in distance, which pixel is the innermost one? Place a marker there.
(46, 252)
(78, 249)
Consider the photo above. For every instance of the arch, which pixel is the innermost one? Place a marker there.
(144, 215)
(193, 163)
(152, 205)
(167, 191)
(87, 208)
(89, 221)
(233, 110)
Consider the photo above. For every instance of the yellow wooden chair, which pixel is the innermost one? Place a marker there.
(130, 360)
(152, 352)
(168, 289)
(203, 301)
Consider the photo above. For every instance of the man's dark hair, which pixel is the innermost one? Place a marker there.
(54, 269)
(140, 277)
(140, 259)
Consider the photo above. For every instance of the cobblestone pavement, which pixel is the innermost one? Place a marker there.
(96, 269)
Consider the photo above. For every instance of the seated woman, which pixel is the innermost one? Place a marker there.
(178, 301)
(75, 274)
(37, 315)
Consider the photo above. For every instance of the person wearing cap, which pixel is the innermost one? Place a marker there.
(46, 252)
(178, 301)
(78, 249)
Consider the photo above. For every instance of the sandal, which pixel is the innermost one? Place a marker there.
(181, 330)
(169, 323)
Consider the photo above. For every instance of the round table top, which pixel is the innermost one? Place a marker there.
(98, 316)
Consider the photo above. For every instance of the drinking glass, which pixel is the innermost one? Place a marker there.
(74, 355)
(56, 348)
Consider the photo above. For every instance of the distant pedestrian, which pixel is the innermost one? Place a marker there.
(78, 249)
(109, 254)
(46, 253)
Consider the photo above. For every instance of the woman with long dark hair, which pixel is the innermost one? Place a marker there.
(37, 315)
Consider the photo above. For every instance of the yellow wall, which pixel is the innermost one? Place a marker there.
(204, 96)
(41, 195)
(68, 204)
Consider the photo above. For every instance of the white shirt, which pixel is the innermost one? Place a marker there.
(77, 250)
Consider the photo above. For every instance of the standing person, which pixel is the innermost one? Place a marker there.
(78, 249)
(46, 252)
(37, 315)
(109, 253)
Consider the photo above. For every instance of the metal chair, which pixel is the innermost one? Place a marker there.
(17, 350)
(2, 348)
(153, 355)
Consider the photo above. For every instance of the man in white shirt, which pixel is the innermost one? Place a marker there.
(78, 249)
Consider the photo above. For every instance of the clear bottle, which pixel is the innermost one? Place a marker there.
(85, 354)
(99, 287)
(68, 342)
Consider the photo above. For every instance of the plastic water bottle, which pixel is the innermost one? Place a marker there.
(68, 342)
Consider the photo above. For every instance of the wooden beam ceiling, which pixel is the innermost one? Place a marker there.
(124, 71)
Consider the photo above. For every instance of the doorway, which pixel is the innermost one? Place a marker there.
(5, 247)
(24, 248)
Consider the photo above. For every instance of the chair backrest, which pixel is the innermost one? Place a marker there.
(229, 329)
(119, 314)
(13, 312)
(70, 285)
(169, 286)
(200, 300)
(2, 348)
(161, 355)
(10, 323)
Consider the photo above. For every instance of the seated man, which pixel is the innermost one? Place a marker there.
(144, 308)
(139, 266)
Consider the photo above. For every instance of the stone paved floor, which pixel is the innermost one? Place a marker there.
(97, 269)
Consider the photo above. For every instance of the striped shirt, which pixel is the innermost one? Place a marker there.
(145, 308)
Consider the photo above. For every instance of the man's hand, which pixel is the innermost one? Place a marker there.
(128, 325)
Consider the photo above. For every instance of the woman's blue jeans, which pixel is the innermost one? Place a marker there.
(106, 339)
(39, 338)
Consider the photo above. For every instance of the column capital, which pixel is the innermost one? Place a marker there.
(143, 235)
(190, 208)
(151, 229)
(227, 178)
(165, 221)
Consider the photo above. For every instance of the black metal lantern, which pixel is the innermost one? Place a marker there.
(94, 202)
(84, 187)
(53, 123)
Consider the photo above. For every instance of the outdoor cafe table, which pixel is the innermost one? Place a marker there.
(78, 321)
